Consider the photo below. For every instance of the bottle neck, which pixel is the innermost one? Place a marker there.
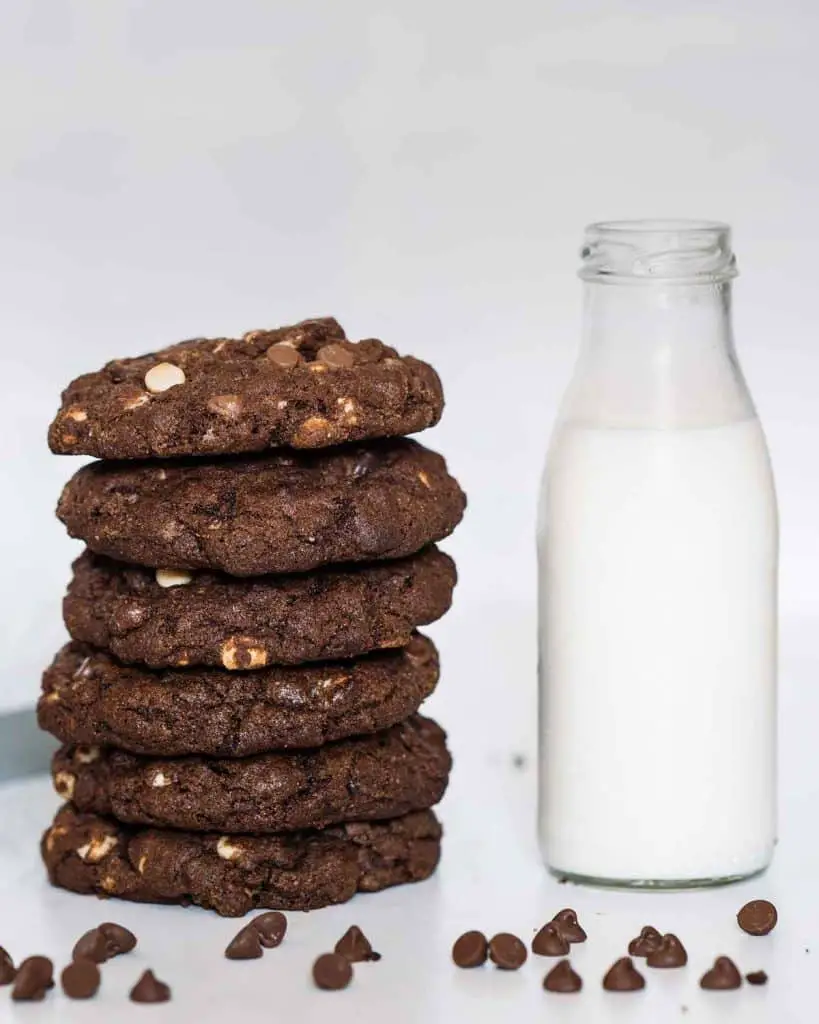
(657, 354)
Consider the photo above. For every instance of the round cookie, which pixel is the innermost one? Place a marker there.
(145, 616)
(403, 769)
(304, 386)
(89, 698)
(296, 871)
(275, 513)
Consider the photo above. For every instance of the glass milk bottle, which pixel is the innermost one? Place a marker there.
(658, 545)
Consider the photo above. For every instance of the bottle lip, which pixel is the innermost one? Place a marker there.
(664, 250)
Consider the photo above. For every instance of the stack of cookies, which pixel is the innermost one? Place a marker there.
(239, 702)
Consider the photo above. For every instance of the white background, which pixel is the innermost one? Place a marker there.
(422, 170)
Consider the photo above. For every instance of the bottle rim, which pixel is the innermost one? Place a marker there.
(663, 250)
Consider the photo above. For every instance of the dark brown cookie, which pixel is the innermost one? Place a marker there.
(90, 698)
(304, 386)
(391, 773)
(152, 618)
(276, 513)
(295, 871)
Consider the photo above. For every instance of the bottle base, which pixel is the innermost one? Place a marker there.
(654, 884)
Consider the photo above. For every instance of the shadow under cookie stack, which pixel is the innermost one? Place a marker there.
(238, 704)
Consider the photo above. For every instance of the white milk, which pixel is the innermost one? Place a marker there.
(658, 553)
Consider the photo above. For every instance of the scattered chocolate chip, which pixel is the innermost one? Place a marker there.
(550, 942)
(507, 951)
(35, 976)
(646, 942)
(8, 971)
(569, 927)
(81, 979)
(758, 917)
(332, 971)
(149, 989)
(470, 950)
(623, 976)
(723, 975)
(283, 355)
(118, 939)
(92, 946)
(245, 945)
(272, 928)
(335, 355)
(355, 946)
(757, 978)
(670, 953)
(562, 978)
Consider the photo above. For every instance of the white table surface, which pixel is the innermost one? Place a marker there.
(490, 878)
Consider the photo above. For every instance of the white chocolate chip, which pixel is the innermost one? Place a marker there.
(53, 835)
(87, 755)
(163, 376)
(64, 783)
(227, 849)
(108, 884)
(76, 414)
(229, 406)
(282, 403)
(424, 479)
(240, 653)
(52, 698)
(173, 577)
(160, 781)
(97, 849)
(135, 402)
(143, 860)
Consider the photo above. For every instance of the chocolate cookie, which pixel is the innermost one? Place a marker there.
(304, 386)
(276, 513)
(160, 619)
(296, 871)
(403, 769)
(90, 698)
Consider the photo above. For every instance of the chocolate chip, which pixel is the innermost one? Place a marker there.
(562, 978)
(757, 978)
(335, 355)
(758, 917)
(118, 939)
(355, 946)
(332, 971)
(623, 976)
(646, 942)
(246, 945)
(283, 355)
(507, 951)
(149, 989)
(470, 950)
(271, 927)
(550, 942)
(670, 953)
(8, 971)
(723, 975)
(568, 925)
(81, 979)
(35, 976)
(92, 946)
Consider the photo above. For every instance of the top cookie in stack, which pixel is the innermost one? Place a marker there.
(244, 656)
(305, 386)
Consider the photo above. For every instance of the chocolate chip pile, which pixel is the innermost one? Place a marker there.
(238, 703)
(555, 938)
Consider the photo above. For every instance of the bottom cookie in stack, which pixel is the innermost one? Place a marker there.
(305, 870)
